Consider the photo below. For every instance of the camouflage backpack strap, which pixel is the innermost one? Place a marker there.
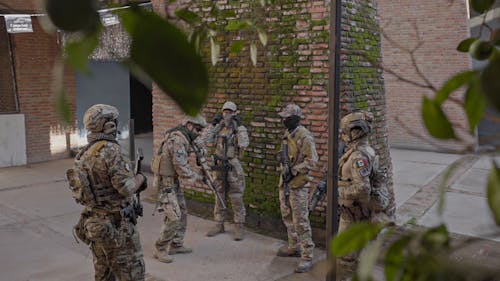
(94, 153)
(97, 147)
(344, 159)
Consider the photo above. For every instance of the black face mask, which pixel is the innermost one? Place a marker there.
(291, 122)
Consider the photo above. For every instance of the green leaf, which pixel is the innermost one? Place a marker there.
(73, 16)
(475, 104)
(368, 259)
(353, 238)
(214, 51)
(453, 84)
(443, 185)
(493, 192)
(253, 53)
(188, 16)
(235, 25)
(394, 264)
(435, 120)
(77, 52)
(465, 45)
(481, 6)
(236, 46)
(490, 82)
(436, 238)
(262, 36)
(197, 36)
(163, 52)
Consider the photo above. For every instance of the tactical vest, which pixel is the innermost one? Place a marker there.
(232, 142)
(90, 187)
(379, 194)
(162, 161)
(294, 155)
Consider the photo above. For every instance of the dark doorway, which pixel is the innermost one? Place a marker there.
(141, 106)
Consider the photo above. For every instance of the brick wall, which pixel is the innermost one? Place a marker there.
(34, 55)
(441, 27)
(18, 5)
(292, 68)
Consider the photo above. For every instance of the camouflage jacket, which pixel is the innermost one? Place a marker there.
(172, 157)
(110, 173)
(237, 139)
(355, 168)
(302, 155)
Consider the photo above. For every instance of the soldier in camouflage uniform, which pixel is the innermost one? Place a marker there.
(359, 198)
(172, 171)
(102, 180)
(230, 138)
(302, 158)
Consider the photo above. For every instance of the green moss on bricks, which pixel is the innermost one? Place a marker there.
(199, 196)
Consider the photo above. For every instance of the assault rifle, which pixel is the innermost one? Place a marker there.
(318, 194)
(222, 164)
(135, 210)
(286, 174)
(138, 169)
(202, 162)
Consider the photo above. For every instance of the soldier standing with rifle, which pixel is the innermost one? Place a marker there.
(171, 171)
(299, 157)
(363, 191)
(102, 180)
(230, 138)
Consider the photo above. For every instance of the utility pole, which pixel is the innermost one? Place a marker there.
(333, 131)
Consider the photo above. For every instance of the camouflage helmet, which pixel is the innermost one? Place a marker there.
(229, 105)
(196, 120)
(291, 110)
(98, 115)
(357, 119)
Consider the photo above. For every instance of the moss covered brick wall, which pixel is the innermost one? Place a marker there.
(293, 67)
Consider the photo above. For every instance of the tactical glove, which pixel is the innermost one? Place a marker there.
(238, 120)
(216, 120)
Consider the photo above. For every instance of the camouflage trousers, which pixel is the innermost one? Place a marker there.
(235, 191)
(350, 215)
(173, 204)
(115, 260)
(296, 219)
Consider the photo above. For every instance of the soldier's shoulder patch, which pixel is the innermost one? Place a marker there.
(364, 172)
(360, 163)
(127, 167)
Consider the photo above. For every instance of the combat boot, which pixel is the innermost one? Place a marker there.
(304, 266)
(218, 228)
(238, 232)
(162, 255)
(285, 251)
(172, 250)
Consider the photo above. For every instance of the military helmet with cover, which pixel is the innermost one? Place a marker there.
(196, 120)
(101, 118)
(291, 110)
(357, 119)
(230, 106)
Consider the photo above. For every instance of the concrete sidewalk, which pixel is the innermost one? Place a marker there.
(36, 243)
(37, 215)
